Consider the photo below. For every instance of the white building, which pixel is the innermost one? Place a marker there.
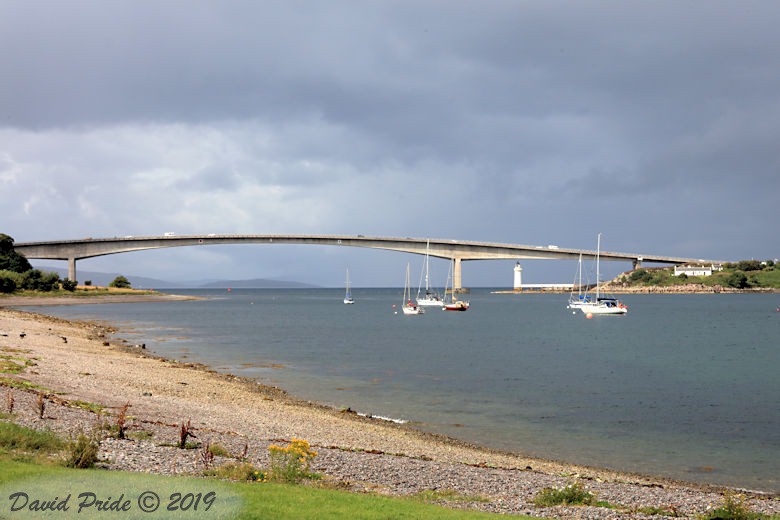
(696, 270)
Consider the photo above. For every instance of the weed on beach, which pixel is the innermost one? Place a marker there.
(571, 495)
(291, 464)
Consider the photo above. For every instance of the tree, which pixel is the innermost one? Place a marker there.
(9, 258)
(69, 285)
(7, 284)
(37, 280)
(737, 279)
(749, 265)
(120, 282)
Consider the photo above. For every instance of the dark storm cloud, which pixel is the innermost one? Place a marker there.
(221, 115)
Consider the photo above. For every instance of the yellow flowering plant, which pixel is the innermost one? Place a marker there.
(292, 463)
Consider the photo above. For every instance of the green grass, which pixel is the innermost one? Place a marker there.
(243, 501)
(24, 385)
(18, 438)
(44, 478)
(85, 405)
(78, 293)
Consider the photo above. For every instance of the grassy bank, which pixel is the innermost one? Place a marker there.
(746, 275)
(32, 476)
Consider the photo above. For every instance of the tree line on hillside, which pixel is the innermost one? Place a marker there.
(16, 273)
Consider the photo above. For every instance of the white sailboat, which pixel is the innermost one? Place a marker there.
(348, 299)
(407, 306)
(602, 305)
(429, 299)
(579, 299)
(455, 304)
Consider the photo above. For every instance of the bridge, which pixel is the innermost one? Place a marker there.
(455, 250)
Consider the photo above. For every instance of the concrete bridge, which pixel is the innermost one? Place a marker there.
(456, 250)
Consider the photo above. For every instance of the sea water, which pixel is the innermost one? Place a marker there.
(684, 386)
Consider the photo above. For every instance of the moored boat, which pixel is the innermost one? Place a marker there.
(408, 307)
(602, 305)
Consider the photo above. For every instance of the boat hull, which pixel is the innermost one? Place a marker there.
(430, 302)
(603, 309)
(457, 306)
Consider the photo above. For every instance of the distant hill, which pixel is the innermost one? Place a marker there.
(257, 283)
(141, 282)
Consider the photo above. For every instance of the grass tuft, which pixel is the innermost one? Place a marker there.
(236, 471)
(570, 495)
(18, 438)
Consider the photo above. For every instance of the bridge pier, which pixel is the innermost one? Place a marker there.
(457, 276)
(72, 268)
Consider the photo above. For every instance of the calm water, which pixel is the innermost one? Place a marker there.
(685, 386)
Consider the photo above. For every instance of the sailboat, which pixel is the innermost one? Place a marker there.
(407, 305)
(602, 305)
(348, 299)
(429, 299)
(579, 299)
(455, 304)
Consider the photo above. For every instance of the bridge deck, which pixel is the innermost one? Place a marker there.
(456, 250)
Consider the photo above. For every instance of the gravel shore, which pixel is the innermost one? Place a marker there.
(82, 362)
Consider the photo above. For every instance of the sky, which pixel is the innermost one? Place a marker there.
(541, 122)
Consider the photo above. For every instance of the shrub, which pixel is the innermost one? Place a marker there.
(7, 284)
(291, 464)
(69, 285)
(738, 280)
(120, 282)
(83, 451)
(573, 494)
(640, 275)
(749, 265)
(37, 280)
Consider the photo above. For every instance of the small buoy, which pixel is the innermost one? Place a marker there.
(589, 315)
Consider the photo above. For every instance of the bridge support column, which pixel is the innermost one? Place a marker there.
(72, 269)
(457, 280)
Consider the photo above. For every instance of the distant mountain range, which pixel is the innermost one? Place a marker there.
(141, 282)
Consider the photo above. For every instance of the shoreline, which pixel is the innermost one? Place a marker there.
(354, 449)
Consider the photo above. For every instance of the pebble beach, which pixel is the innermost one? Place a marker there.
(82, 362)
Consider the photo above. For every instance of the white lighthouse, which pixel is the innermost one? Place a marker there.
(518, 277)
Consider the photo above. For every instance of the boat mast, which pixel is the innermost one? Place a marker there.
(427, 245)
(598, 276)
